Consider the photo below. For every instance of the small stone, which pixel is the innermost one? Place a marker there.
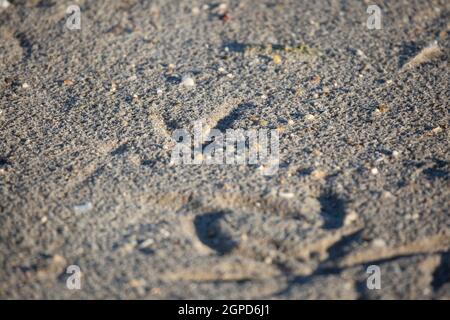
(83, 208)
(309, 117)
(221, 9)
(379, 243)
(387, 195)
(159, 92)
(286, 195)
(437, 130)
(316, 79)
(276, 58)
(395, 154)
(374, 171)
(187, 82)
(155, 291)
(299, 92)
(225, 17)
(380, 159)
(269, 168)
(221, 70)
(165, 233)
(128, 247)
(230, 75)
(146, 244)
(383, 108)
(291, 122)
(25, 85)
(195, 11)
(198, 158)
(360, 53)
(113, 87)
(68, 82)
(136, 283)
(44, 219)
(50, 267)
(350, 218)
(4, 4)
(318, 174)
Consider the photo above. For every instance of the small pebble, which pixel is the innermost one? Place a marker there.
(437, 130)
(187, 82)
(395, 154)
(286, 195)
(318, 174)
(195, 11)
(83, 208)
(380, 159)
(269, 168)
(4, 4)
(351, 217)
(268, 260)
(379, 243)
(159, 92)
(360, 53)
(25, 85)
(221, 9)
(309, 117)
(276, 59)
(221, 70)
(299, 92)
(136, 283)
(374, 171)
(387, 195)
(316, 79)
(147, 243)
(230, 75)
(165, 233)
(225, 17)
